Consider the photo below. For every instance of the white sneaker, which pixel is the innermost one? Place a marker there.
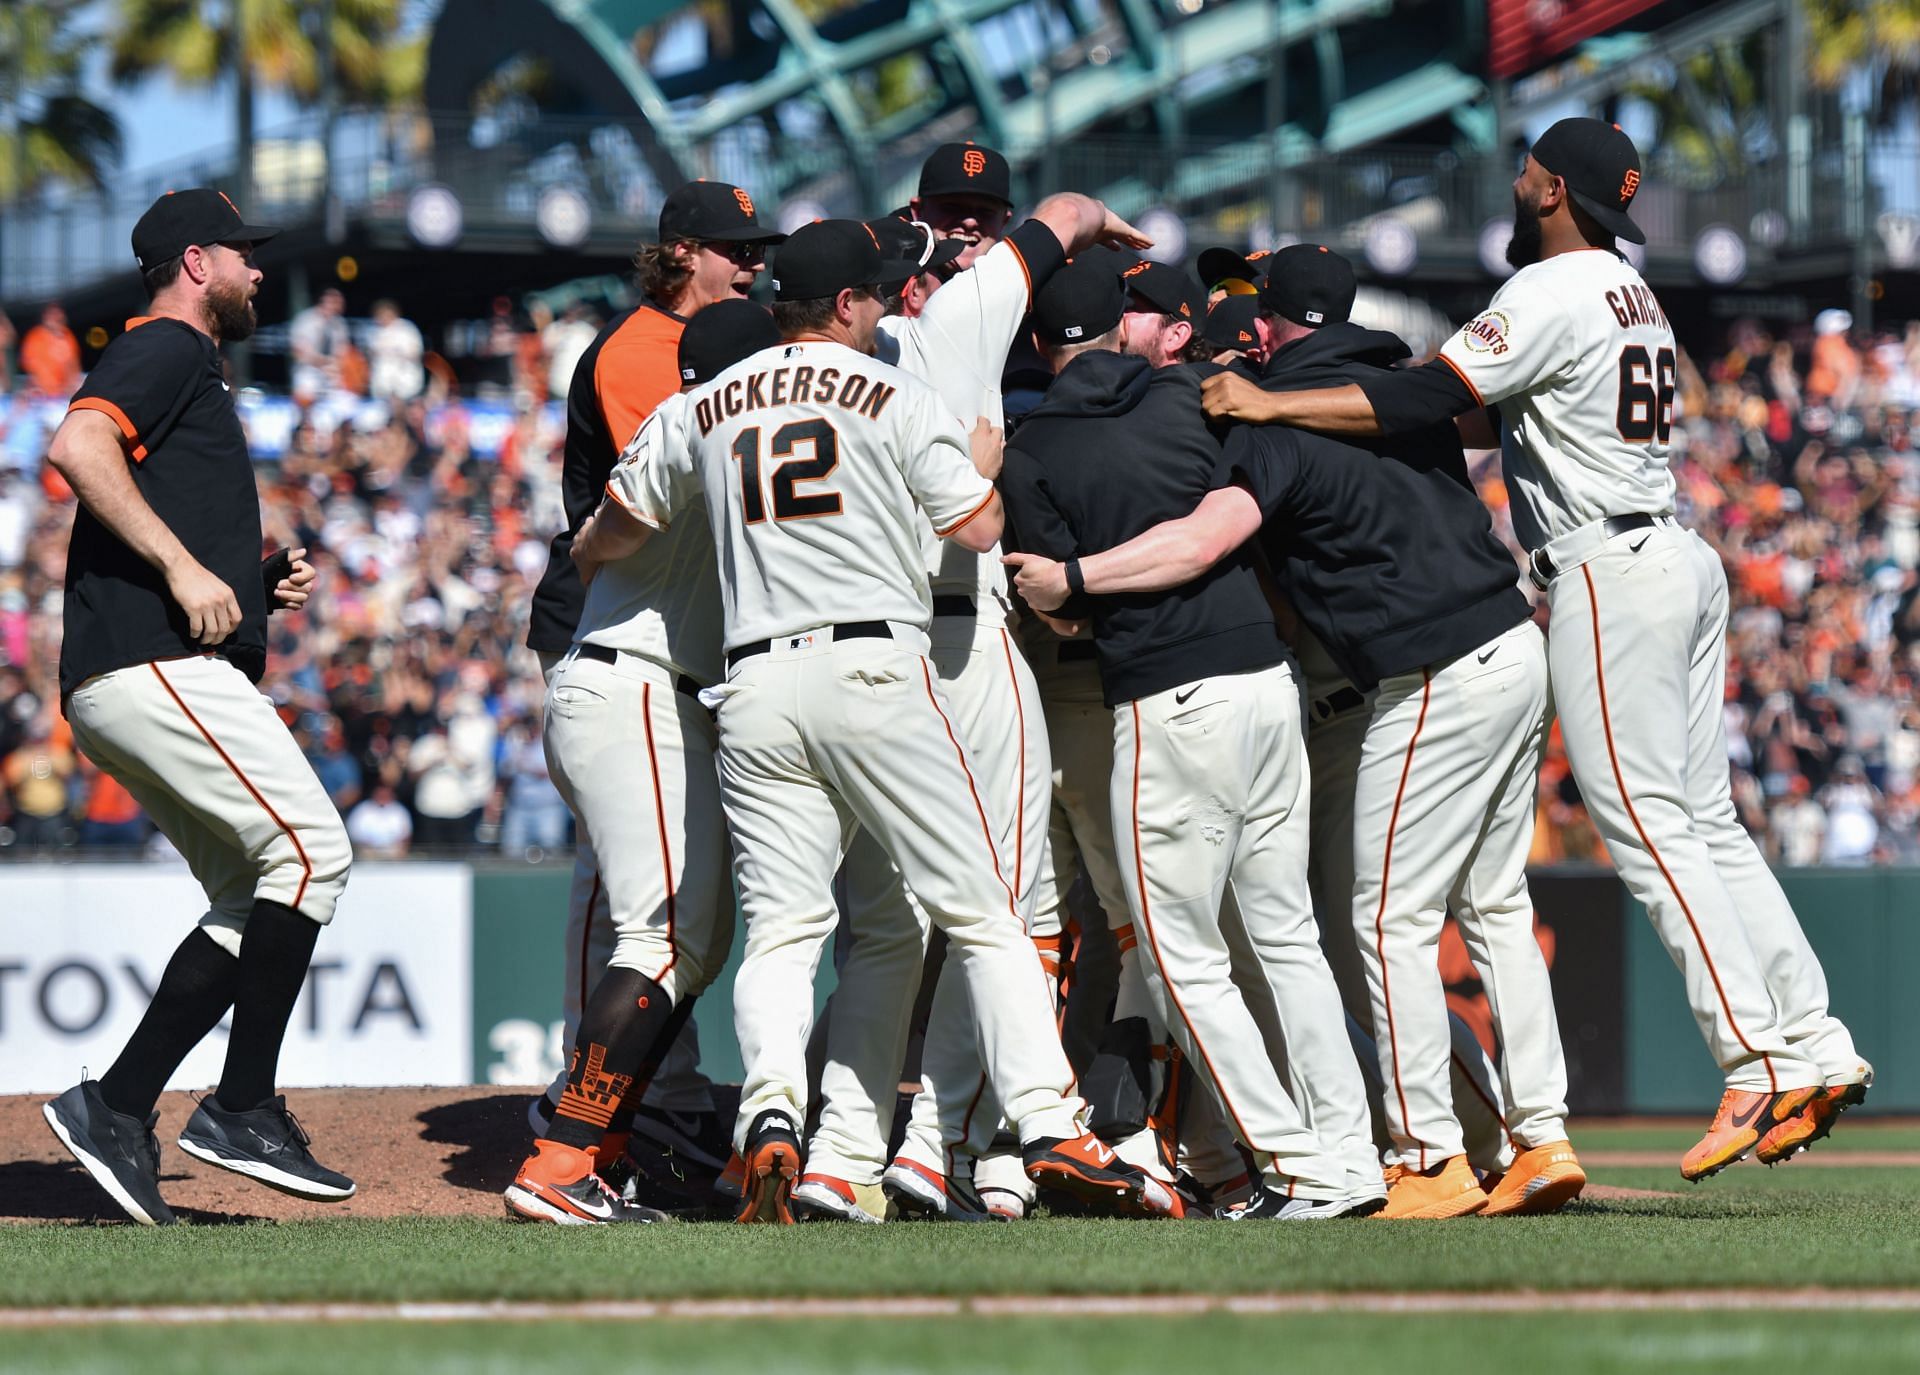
(821, 1197)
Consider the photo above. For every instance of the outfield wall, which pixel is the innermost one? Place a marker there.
(447, 974)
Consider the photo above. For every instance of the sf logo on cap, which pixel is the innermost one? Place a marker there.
(973, 162)
(1136, 269)
(1629, 186)
(746, 202)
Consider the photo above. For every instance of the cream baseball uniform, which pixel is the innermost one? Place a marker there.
(815, 464)
(631, 749)
(958, 345)
(1579, 359)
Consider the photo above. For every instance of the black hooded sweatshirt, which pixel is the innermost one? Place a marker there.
(1116, 448)
(1381, 545)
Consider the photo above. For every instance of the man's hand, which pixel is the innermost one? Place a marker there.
(989, 452)
(213, 612)
(1229, 396)
(1066, 630)
(588, 567)
(1117, 233)
(1042, 583)
(293, 589)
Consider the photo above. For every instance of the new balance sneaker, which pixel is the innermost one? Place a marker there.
(1816, 1119)
(263, 1143)
(1741, 1120)
(557, 1184)
(1542, 1179)
(772, 1160)
(704, 1137)
(1270, 1205)
(1448, 1189)
(828, 1198)
(1086, 1168)
(120, 1152)
(917, 1192)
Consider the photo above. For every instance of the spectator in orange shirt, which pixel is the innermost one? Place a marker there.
(50, 355)
(112, 817)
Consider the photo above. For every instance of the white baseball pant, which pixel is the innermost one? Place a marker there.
(1210, 787)
(1639, 660)
(209, 759)
(818, 737)
(592, 933)
(1443, 813)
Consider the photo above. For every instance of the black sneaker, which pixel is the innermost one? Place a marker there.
(773, 1163)
(120, 1152)
(1270, 1205)
(262, 1143)
(702, 1137)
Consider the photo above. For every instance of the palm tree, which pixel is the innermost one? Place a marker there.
(49, 132)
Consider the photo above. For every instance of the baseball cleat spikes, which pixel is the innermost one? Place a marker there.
(557, 1184)
(1814, 1121)
(918, 1192)
(121, 1153)
(828, 1198)
(1541, 1180)
(772, 1160)
(1086, 1168)
(264, 1143)
(1738, 1124)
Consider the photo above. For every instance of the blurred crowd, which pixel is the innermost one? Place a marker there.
(408, 686)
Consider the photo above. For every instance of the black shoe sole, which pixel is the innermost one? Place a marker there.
(261, 1172)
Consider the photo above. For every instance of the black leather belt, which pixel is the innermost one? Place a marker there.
(953, 606)
(601, 654)
(1334, 703)
(847, 630)
(1077, 651)
(1543, 570)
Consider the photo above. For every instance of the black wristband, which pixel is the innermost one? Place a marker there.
(1076, 580)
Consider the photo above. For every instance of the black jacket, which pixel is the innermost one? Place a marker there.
(1115, 449)
(1381, 545)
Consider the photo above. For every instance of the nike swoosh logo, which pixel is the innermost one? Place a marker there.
(1635, 548)
(1181, 697)
(1746, 1118)
(1488, 655)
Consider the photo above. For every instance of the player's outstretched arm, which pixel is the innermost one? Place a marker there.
(1080, 222)
(1330, 410)
(610, 534)
(87, 451)
(1171, 554)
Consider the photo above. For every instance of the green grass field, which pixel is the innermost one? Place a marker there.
(1845, 1227)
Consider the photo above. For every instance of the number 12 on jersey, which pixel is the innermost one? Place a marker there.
(1646, 395)
(787, 503)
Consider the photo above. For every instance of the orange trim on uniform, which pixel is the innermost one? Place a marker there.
(118, 417)
(986, 831)
(1619, 780)
(1463, 377)
(1020, 779)
(1379, 916)
(964, 520)
(660, 527)
(1025, 271)
(140, 320)
(966, 1124)
(1124, 937)
(306, 865)
(1146, 923)
(660, 816)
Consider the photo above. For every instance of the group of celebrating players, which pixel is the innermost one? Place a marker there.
(994, 558)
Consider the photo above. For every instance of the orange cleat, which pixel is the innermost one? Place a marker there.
(732, 1182)
(772, 1161)
(558, 1184)
(1086, 1167)
(1814, 1120)
(1542, 1179)
(1742, 1117)
(1446, 1190)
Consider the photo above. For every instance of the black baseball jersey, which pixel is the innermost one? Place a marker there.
(161, 384)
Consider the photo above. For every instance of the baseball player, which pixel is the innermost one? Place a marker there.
(711, 248)
(1577, 360)
(1442, 801)
(631, 750)
(816, 464)
(165, 638)
(957, 341)
(1209, 782)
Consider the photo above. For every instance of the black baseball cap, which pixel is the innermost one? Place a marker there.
(1082, 301)
(1230, 322)
(1167, 289)
(721, 335)
(715, 212)
(1309, 284)
(1601, 168)
(914, 241)
(1112, 256)
(181, 219)
(1224, 265)
(824, 258)
(966, 169)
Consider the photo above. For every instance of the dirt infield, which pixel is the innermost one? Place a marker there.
(414, 1153)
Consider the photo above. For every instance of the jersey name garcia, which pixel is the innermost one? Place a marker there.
(817, 466)
(1579, 360)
